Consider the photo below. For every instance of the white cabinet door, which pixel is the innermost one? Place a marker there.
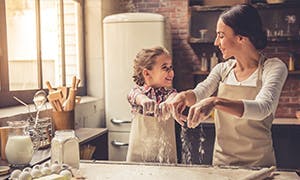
(117, 145)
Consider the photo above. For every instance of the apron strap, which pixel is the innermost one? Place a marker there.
(261, 62)
(227, 71)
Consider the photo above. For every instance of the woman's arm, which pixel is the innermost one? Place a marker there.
(201, 110)
(265, 103)
(207, 87)
(203, 90)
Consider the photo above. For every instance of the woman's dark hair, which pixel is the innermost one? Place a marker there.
(245, 20)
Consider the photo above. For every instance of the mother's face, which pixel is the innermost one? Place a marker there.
(226, 40)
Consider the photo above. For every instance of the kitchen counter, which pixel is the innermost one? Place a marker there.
(84, 135)
(146, 171)
(94, 136)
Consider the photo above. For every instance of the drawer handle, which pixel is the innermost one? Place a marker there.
(118, 143)
(119, 121)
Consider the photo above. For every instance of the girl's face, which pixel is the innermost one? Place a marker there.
(226, 40)
(162, 73)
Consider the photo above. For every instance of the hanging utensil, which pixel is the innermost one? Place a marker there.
(39, 99)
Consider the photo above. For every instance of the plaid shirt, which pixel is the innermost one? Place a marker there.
(157, 94)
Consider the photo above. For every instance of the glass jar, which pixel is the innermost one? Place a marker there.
(19, 148)
(65, 148)
(204, 65)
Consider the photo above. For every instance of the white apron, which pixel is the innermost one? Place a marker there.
(242, 142)
(151, 140)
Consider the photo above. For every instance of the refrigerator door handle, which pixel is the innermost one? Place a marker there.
(118, 143)
(119, 121)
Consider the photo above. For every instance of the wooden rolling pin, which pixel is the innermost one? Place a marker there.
(55, 98)
(261, 174)
(70, 102)
(50, 88)
(64, 91)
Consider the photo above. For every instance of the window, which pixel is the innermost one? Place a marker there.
(40, 40)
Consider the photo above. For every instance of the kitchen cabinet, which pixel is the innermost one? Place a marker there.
(285, 142)
(97, 137)
(281, 22)
(286, 145)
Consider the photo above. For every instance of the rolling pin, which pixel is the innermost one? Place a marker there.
(50, 88)
(55, 99)
(64, 91)
(261, 174)
(70, 102)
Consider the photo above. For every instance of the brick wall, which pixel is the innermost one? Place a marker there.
(185, 59)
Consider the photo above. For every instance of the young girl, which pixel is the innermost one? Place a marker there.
(152, 136)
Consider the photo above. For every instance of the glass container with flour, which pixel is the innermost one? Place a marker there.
(65, 148)
(19, 148)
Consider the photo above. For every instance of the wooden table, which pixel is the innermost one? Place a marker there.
(149, 171)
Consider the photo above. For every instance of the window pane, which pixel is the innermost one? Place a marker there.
(50, 42)
(72, 19)
(21, 44)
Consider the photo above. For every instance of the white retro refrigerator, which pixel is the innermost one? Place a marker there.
(124, 35)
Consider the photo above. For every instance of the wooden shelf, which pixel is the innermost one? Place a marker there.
(284, 39)
(194, 40)
(200, 73)
(199, 7)
(208, 8)
(296, 72)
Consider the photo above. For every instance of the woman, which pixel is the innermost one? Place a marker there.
(248, 89)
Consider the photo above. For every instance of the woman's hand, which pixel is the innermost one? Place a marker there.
(176, 106)
(200, 111)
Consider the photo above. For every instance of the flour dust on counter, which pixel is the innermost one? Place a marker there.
(149, 171)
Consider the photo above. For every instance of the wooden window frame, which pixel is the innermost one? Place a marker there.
(6, 96)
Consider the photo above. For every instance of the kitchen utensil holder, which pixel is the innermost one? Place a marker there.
(63, 120)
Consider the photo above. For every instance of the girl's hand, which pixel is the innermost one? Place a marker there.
(164, 113)
(200, 112)
(150, 107)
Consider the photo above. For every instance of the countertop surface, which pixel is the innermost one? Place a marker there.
(146, 171)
